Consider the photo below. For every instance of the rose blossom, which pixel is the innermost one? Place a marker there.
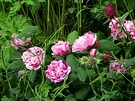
(17, 42)
(110, 11)
(57, 70)
(33, 58)
(130, 28)
(60, 48)
(114, 25)
(116, 66)
(84, 42)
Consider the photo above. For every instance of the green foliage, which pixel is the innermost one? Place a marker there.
(108, 45)
(72, 36)
(48, 21)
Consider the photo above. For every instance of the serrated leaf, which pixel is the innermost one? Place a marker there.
(70, 98)
(72, 36)
(81, 94)
(108, 45)
(32, 75)
(130, 62)
(16, 65)
(28, 32)
(81, 74)
(71, 63)
(14, 56)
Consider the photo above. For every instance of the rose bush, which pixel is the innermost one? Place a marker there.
(58, 61)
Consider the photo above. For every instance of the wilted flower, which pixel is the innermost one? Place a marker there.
(21, 73)
(57, 71)
(33, 58)
(110, 11)
(93, 52)
(107, 56)
(116, 66)
(114, 25)
(84, 42)
(60, 48)
(18, 43)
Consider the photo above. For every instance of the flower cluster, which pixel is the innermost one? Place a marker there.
(57, 71)
(33, 58)
(116, 66)
(84, 42)
(17, 43)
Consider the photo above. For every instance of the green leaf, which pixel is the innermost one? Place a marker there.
(108, 45)
(71, 63)
(130, 62)
(28, 32)
(72, 36)
(14, 56)
(81, 94)
(4, 98)
(82, 74)
(124, 16)
(93, 99)
(29, 2)
(32, 75)
(70, 98)
(16, 65)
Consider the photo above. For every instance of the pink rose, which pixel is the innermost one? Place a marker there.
(57, 71)
(114, 25)
(84, 42)
(60, 48)
(130, 28)
(33, 58)
(18, 43)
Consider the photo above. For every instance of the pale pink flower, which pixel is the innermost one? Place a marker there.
(84, 42)
(58, 70)
(130, 28)
(18, 43)
(33, 58)
(60, 48)
(116, 66)
(114, 25)
(93, 52)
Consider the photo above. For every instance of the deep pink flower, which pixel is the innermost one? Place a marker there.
(110, 11)
(97, 43)
(60, 48)
(116, 66)
(93, 52)
(33, 58)
(84, 42)
(18, 43)
(57, 71)
(114, 25)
